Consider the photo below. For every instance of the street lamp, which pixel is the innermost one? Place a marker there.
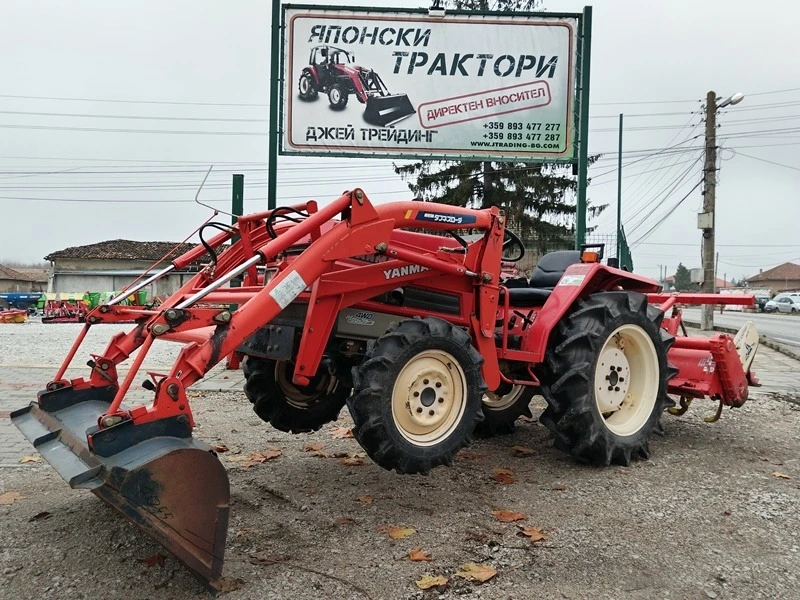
(706, 220)
(735, 99)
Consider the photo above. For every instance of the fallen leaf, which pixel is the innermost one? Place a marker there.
(521, 451)
(242, 532)
(312, 447)
(27, 459)
(219, 448)
(559, 488)
(780, 475)
(10, 498)
(764, 458)
(41, 516)
(508, 516)
(397, 532)
(419, 555)
(345, 521)
(504, 476)
(352, 462)
(467, 455)
(428, 581)
(152, 561)
(366, 499)
(271, 453)
(341, 433)
(476, 571)
(225, 585)
(535, 534)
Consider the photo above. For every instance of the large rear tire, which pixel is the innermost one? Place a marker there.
(605, 378)
(502, 408)
(307, 87)
(268, 385)
(417, 395)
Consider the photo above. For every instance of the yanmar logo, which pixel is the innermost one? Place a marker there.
(404, 271)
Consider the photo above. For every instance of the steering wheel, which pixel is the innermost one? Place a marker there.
(512, 242)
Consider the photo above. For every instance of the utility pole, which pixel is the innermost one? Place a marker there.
(709, 199)
(707, 220)
(619, 194)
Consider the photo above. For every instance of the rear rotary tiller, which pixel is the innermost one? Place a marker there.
(418, 333)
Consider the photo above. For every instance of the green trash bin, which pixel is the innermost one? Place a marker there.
(141, 297)
(94, 299)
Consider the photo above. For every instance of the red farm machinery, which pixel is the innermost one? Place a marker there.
(333, 71)
(401, 312)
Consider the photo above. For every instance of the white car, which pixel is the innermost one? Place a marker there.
(771, 306)
(788, 304)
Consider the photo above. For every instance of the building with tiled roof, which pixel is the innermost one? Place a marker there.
(12, 280)
(112, 264)
(785, 277)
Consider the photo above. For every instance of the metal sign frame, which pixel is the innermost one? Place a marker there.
(580, 111)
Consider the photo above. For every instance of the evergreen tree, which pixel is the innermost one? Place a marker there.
(539, 200)
(683, 280)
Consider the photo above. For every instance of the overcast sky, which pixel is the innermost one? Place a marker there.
(155, 58)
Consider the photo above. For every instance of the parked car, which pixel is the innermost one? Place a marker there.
(789, 304)
(771, 306)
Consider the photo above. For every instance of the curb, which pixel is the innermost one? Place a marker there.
(768, 342)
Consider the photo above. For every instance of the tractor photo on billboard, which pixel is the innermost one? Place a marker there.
(333, 71)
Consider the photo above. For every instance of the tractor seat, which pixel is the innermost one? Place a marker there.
(545, 277)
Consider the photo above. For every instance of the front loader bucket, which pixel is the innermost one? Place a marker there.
(169, 484)
(387, 110)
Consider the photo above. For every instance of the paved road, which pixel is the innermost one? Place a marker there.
(780, 327)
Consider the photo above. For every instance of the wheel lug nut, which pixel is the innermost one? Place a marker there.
(425, 381)
(616, 389)
(438, 384)
(441, 400)
(419, 409)
(416, 394)
(431, 412)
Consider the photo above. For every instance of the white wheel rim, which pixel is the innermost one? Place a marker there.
(304, 85)
(335, 96)
(429, 397)
(494, 401)
(293, 395)
(626, 380)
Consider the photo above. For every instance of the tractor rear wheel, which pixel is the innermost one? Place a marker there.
(502, 408)
(337, 96)
(307, 87)
(287, 407)
(417, 395)
(605, 378)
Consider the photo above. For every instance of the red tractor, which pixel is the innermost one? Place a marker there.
(333, 71)
(417, 333)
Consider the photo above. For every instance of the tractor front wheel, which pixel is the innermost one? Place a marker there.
(287, 407)
(417, 395)
(337, 96)
(605, 378)
(502, 408)
(307, 87)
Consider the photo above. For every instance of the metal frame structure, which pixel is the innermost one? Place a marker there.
(580, 121)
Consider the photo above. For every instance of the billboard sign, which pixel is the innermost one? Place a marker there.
(387, 83)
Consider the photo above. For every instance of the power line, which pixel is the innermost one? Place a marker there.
(771, 162)
(148, 131)
(140, 117)
(118, 101)
(666, 216)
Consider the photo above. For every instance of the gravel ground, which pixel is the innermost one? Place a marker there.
(35, 343)
(706, 517)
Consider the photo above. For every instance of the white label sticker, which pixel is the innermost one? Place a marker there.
(288, 289)
(572, 280)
